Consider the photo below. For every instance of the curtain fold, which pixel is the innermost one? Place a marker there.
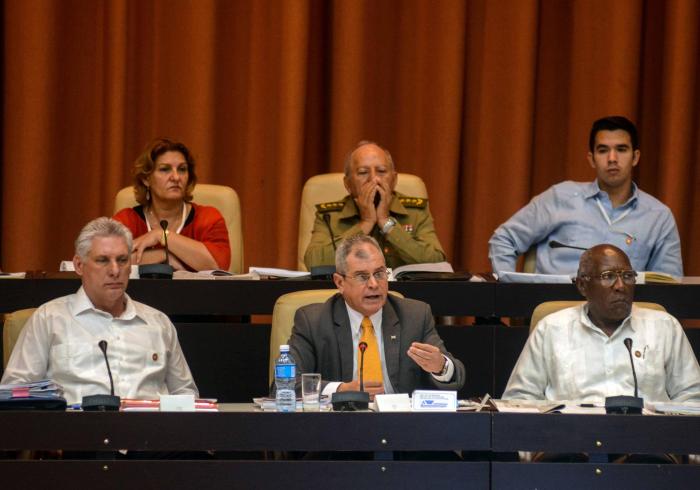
(489, 101)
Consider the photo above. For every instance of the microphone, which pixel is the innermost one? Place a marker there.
(102, 403)
(351, 401)
(163, 270)
(327, 220)
(164, 225)
(363, 347)
(556, 244)
(626, 404)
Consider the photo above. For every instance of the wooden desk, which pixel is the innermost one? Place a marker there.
(238, 428)
(227, 297)
(595, 434)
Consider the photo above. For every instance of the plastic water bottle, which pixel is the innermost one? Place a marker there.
(285, 379)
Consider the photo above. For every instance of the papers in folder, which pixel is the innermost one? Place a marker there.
(39, 395)
(526, 277)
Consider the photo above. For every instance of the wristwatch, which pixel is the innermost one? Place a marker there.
(388, 225)
(444, 368)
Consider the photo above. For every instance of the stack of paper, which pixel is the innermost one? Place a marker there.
(200, 405)
(44, 389)
(40, 395)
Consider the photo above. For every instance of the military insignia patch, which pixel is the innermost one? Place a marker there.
(408, 228)
(328, 207)
(413, 202)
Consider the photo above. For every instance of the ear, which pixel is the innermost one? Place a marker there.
(635, 159)
(78, 264)
(339, 281)
(590, 160)
(582, 287)
(346, 182)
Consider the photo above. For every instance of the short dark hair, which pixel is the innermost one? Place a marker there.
(613, 123)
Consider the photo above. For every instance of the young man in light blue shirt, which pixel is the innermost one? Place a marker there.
(578, 215)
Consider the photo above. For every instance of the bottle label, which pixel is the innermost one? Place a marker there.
(285, 371)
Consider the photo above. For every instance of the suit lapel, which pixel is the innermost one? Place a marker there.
(391, 336)
(343, 334)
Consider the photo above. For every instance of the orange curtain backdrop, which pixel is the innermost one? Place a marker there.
(489, 101)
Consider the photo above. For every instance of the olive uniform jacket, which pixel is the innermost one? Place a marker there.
(412, 241)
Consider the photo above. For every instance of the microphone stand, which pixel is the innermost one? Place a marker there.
(351, 401)
(102, 403)
(626, 404)
(159, 271)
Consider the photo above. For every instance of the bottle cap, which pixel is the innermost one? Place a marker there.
(284, 348)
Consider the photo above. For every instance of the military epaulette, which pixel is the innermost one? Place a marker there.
(329, 207)
(413, 202)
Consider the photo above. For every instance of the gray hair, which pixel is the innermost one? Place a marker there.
(346, 248)
(347, 165)
(101, 227)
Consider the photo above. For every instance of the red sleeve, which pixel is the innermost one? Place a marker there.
(129, 218)
(209, 227)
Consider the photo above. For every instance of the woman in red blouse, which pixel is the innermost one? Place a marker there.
(164, 179)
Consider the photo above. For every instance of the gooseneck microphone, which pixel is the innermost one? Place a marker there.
(363, 347)
(102, 403)
(350, 401)
(628, 344)
(163, 270)
(102, 344)
(626, 404)
(327, 220)
(164, 225)
(556, 244)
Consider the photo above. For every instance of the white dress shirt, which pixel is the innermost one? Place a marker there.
(568, 358)
(356, 326)
(60, 341)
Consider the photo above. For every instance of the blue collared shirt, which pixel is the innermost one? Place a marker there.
(580, 214)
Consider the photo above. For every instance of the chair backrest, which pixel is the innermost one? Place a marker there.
(14, 323)
(283, 318)
(544, 309)
(329, 187)
(530, 260)
(222, 198)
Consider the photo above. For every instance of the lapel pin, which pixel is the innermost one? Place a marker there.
(393, 337)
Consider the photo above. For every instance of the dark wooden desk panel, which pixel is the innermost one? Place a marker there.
(228, 297)
(518, 300)
(587, 476)
(244, 475)
(245, 431)
(561, 433)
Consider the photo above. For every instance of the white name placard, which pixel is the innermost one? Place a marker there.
(393, 403)
(434, 401)
(177, 403)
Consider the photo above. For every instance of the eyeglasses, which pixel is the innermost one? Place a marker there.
(363, 277)
(608, 278)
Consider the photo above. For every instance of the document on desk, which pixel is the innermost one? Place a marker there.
(549, 406)
(526, 277)
(677, 408)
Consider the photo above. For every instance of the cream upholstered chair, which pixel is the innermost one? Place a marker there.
(530, 260)
(283, 318)
(329, 187)
(14, 323)
(222, 198)
(544, 309)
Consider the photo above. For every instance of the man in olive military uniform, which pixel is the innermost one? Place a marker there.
(402, 225)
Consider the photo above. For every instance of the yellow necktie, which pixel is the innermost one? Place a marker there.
(373, 363)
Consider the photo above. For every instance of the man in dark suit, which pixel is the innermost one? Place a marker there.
(404, 351)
